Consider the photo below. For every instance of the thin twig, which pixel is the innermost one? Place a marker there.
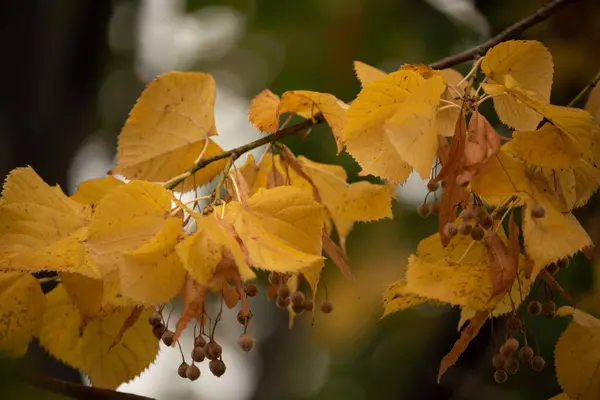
(75, 390)
(591, 84)
(515, 29)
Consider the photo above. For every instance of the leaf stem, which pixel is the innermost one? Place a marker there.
(591, 84)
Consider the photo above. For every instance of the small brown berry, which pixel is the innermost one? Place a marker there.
(158, 331)
(548, 309)
(538, 211)
(534, 307)
(511, 365)
(485, 220)
(467, 214)
(213, 350)
(181, 371)
(298, 308)
(283, 291)
(199, 341)
(538, 363)
(563, 263)
(327, 306)
(498, 361)
(552, 268)
(434, 208)
(275, 278)
(423, 210)
(217, 367)
(155, 319)
(512, 344)
(515, 323)
(282, 303)
(432, 186)
(500, 376)
(241, 318)
(525, 353)
(450, 229)
(308, 305)
(192, 372)
(246, 342)
(251, 290)
(477, 233)
(198, 354)
(168, 337)
(465, 228)
(298, 298)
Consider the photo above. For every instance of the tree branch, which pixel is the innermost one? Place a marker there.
(540, 15)
(75, 390)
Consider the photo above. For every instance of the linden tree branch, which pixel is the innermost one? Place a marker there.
(591, 84)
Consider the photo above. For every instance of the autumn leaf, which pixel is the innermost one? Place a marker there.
(86, 346)
(203, 251)
(280, 228)
(263, 111)
(576, 356)
(194, 295)
(21, 311)
(413, 130)
(40, 227)
(461, 344)
(503, 265)
(448, 115)
(397, 298)
(168, 129)
(527, 62)
(592, 104)
(131, 319)
(90, 191)
(366, 73)
(132, 232)
(337, 255)
(87, 294)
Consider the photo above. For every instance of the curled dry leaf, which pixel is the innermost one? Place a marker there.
(461, 344)
(193, 296)
(503, 265)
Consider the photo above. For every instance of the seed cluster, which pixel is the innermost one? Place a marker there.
(509, 357)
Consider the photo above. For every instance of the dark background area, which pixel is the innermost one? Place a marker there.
(72, 70)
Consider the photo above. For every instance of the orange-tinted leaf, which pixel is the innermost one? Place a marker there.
(263, 112)
(193, 295)
(482, 142)
(503, 268)
(461, 344)
(337, 255)
(128, 323)
(230, 295)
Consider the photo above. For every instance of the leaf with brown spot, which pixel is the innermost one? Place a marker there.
(193, 295)
(482, 142)
(553, 284)
(337, 255)
(514, 247)
(503, 268)
(461, 344)
(451, 158)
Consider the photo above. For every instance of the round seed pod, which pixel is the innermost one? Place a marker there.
(275, 278)
(512, 344)
(486, 221)
(298, 308)
(282, 303)
(538, 363)
(168, 338)
(327, 306)
(217, 367)
(251, 290)
(155, 319)
(552, 268)
(434, 208)
(158, 331)
(467, 214)
(500, 376)
(450, 229)
(423, 210)
(498, 361)
(241, 318)
(563, 263)
(308, 305)
(525, 354)
(246, 342)
(465, 228)
(199, 341)
(283, 291)
(534, 307)
(515, 323)
(192, 372)
(477, 233)
(181, 371)
(511, 366)
(298, 298)
(198, 354)
(538, 211)
(549, 308)
(432, 186)
(213, 350)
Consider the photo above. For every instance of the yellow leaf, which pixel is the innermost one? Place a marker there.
(546, 147)
(126, 218)
(89, 192)
(530, 64)
(21, 311)
(447, 117)
(577, 356)
(364, 135)
(85, 344)
(40, 227)
(397, 298)
(263, 112)
(304, 101)
(561, 396)
(202, 252)
(413, 129)
(281, 229)
(168, 129)
(86, 293)
(366, 73)
(550, 238)
(249, 171)
(348, 203)
(153, 273)
(593, 103)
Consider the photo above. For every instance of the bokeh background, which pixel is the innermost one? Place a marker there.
(71, 71)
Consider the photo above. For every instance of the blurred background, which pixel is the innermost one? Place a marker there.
(72, 70)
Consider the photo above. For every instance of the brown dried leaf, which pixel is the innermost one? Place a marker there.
(128, 323)
(241, 189)
(503, 268)
(452, 161)
(337, 255)
(514, 247)
(461, 344)
(230, 295)
(482, 142)
(553, 284)
(193, 305)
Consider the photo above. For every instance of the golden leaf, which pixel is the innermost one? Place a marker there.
(366, 73)
(263, 112)
(397, 298)
(448, 116)
(281, 229)
(40, 227)
(592, 104)
(576, 356)
(90, 191)
(530, 64)
(21, 311)
(84, 344)
(168, 129)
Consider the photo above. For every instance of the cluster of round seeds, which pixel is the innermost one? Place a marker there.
(298, 301)
(159, 329)
(554, 267)
(547, 308)
(506, 363)
(424, 210)
(474, 223)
